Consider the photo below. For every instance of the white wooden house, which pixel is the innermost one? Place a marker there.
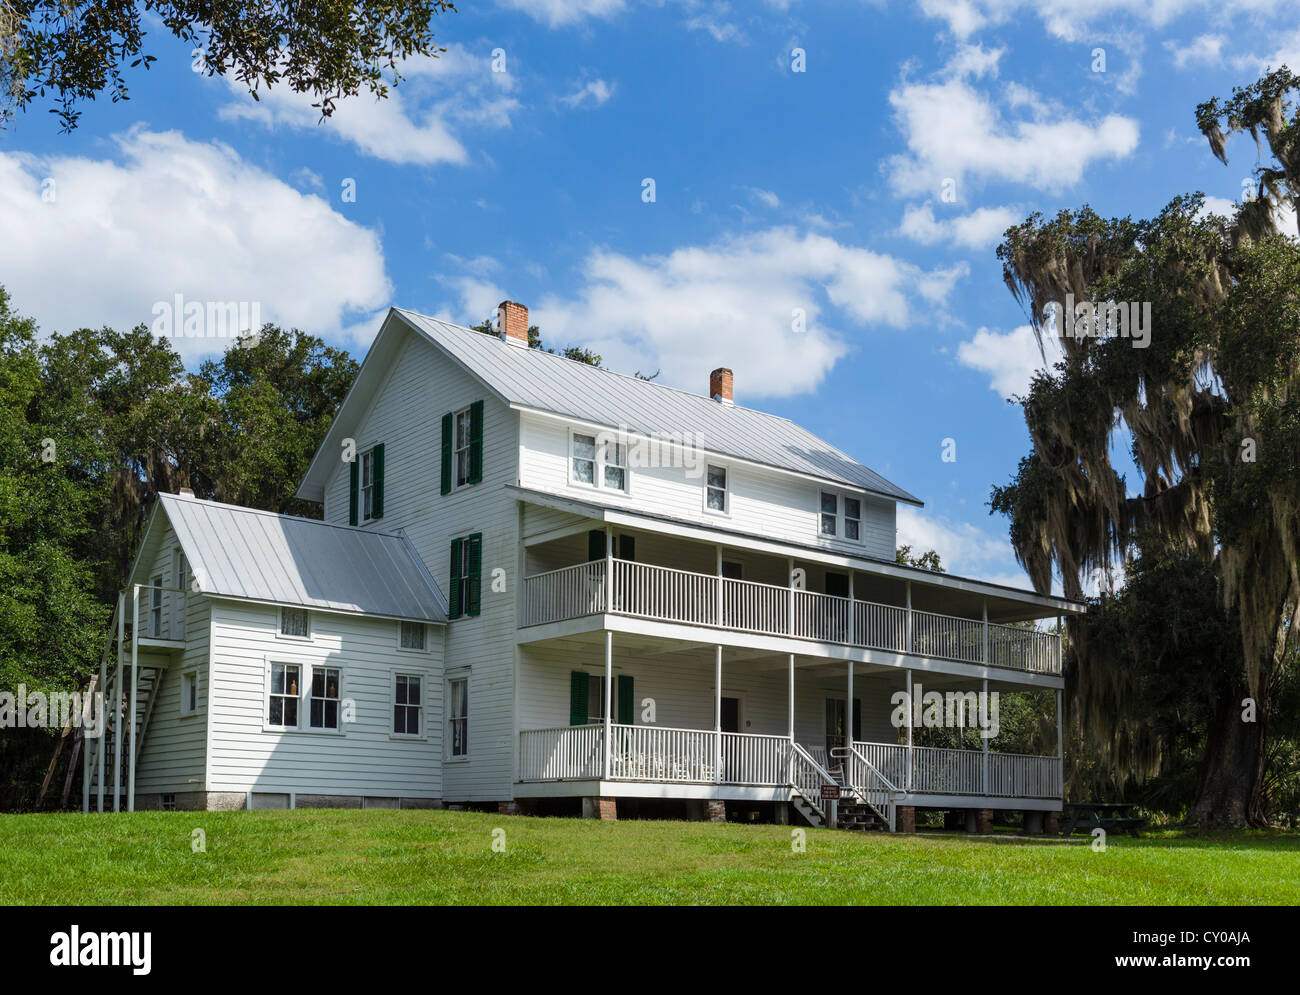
(651, 597)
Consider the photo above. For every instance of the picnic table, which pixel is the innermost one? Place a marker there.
(1110, 816)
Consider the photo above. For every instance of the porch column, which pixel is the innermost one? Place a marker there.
(909, 617)
(135, 674)
(609, 697)
(911, 711)
(984, 654)
(852, 610)
(717, 713)
(718, 618)
(789, 575)
(609, 571)
(117, 718)
(984, 740)
(790, 766)
(1060, 747)
(102, 745)
(848, 718)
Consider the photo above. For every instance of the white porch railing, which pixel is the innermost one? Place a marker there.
(667, 594)
(690, 756)
(941, 771)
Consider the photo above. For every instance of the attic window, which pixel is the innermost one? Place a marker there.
(294, 623)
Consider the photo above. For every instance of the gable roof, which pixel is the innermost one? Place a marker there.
(257, 555)
(540, 381)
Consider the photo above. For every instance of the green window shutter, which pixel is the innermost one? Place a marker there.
(446, 453)
(595, 545)
(355, 490)
(476, 442)
(377, 488)
(578, 687)
(626, 702)
(475, 569)
(454, 605)
(856, 729)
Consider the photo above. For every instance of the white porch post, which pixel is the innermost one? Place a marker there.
(984, 653)
(790, 765)
(852, 610)
(718, 617)
(789, 573)
(717, 713)
(117, 720)
(609, 569)
(135, 673)
(984, 740)
(609, 697)
(848, 717)
(911, 711)
(1060, 747)
(909, 617)
(102, 744)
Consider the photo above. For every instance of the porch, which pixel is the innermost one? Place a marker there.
(647, 576)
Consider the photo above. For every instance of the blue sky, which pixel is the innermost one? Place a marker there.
(866, 192)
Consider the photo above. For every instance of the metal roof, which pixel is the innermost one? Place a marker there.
(261, 556)
(531, 378)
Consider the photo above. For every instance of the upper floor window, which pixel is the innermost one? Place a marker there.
(412, 635)
(462, 447)
(715, 497)
(853, 519)
(466, 566)
(366, 500)
(598, 462)
(295, 622)
(155, 608)
(830, 514)
(190, 692)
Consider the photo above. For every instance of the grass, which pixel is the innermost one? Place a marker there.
(442, 857)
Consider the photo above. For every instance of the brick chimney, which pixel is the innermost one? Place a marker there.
(720, 385)
(512, 323)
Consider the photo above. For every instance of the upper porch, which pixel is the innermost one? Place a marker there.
(747, 596)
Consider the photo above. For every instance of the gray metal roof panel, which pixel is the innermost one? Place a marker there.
(532, 378)
(258, 555)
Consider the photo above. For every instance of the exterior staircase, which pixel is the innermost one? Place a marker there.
(867, 799)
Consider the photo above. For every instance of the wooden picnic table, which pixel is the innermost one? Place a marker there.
(1110, 816)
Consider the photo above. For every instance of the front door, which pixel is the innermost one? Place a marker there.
(834, 729)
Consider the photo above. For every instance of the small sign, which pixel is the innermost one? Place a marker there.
(830, 792)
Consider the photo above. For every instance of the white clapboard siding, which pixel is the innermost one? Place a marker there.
(365, 759)
(763, 502)
(173, 752)
(406, 416)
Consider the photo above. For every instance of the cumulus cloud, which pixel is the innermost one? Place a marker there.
(977, 230)
(779, 307)
(562, 13)
(964, 549)
(1010, 359)
(590, 94)
(953, 131)
(1203, 50)
(420, 121)
(172, 216)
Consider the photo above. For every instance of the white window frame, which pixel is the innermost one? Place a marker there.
(448, 719)
(458, 450)
(188, 678)
(419, 651)
(596, 680)
(602, 442)
(821, 515)
(156, 607)
(422, 705)
(311, 698)
(181, 569)
(845, 499)
(725, 510)
(279, 624)
(366, 491)
(306, 671)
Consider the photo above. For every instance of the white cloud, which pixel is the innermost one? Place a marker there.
(765, 197)
(595, 92)
(963, 548)
(418, 122)
(1010, 359)
(1203, 50)
(951, 130)
(172, 216)
(562, 13)
(732, 303)
(977, 230)
(1218, 205)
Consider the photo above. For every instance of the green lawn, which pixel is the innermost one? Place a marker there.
(376, 857)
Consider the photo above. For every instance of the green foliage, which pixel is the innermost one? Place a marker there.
(579, 354)
(929, 560)
(75, 51)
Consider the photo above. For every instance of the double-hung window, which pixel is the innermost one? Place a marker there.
(853, 519)
(462, 447)
(282, 704)
(366, 494)
(466, 566)
(715, 496)
(155, 608)
(830, 511)
(584, 459)
(615, 465)
(458, 717)
(598, 461)
(408, 704)
(367, 486)
(324, 697)
(461, 452)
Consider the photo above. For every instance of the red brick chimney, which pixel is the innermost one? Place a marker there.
(512, 322)
(720, 385)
